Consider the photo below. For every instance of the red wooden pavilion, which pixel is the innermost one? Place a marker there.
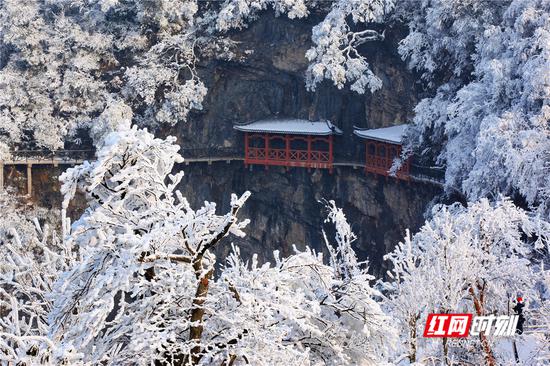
(383, 145)
(289, 142)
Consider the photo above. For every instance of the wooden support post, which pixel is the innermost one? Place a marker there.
(308, 151)
(29, 179)
(330, 151)
(287, 148)
(1, 177)
(246, 149)
(266, 142)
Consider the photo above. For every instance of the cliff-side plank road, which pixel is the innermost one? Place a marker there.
(201, 155)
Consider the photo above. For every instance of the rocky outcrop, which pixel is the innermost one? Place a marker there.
(284, 208)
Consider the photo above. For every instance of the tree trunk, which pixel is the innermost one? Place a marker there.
(197, 314)
(478, 305)
(412, 340)
(446, 351)
(489, 358)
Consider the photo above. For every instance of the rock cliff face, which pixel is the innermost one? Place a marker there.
(267, 79)
(284, 208)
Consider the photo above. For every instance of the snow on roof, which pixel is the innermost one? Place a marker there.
(290, 126)
(393, 134)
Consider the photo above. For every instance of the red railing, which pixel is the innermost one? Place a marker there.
(288, 156)
(319, 153)
(379, 160)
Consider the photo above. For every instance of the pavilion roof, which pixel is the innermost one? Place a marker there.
(392, 135)
(291, 126)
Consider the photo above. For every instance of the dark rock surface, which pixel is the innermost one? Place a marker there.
(284, 208)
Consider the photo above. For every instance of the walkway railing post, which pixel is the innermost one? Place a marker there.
(29, 179)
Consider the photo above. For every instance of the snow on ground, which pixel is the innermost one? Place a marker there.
(530, 348)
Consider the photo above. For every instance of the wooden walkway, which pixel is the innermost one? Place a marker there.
(74, 157)
(46, 161)
(41, 157)
(210, 160)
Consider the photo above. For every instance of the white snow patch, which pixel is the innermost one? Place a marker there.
(291, 126)
(393, 134)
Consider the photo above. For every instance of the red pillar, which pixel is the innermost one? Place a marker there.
(287, 148)
(377, 157)
(308, 151)
(383, 159)
(405, 167)
(402, 169)
(266, 142)
(246, 156)
(388, 161)
(330, 151)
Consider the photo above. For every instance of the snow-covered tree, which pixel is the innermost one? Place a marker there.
(64, 62)
(335, 55)
(543, 325)
(49, 73)
(145, 263)
(488, 120)
(473, 259)
(307, 312)
(146, 290)
(237, 14)
(32, 255)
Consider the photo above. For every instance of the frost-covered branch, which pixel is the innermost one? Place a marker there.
(32, 256)
(335, 55)
(487, 122)
(471, 259)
